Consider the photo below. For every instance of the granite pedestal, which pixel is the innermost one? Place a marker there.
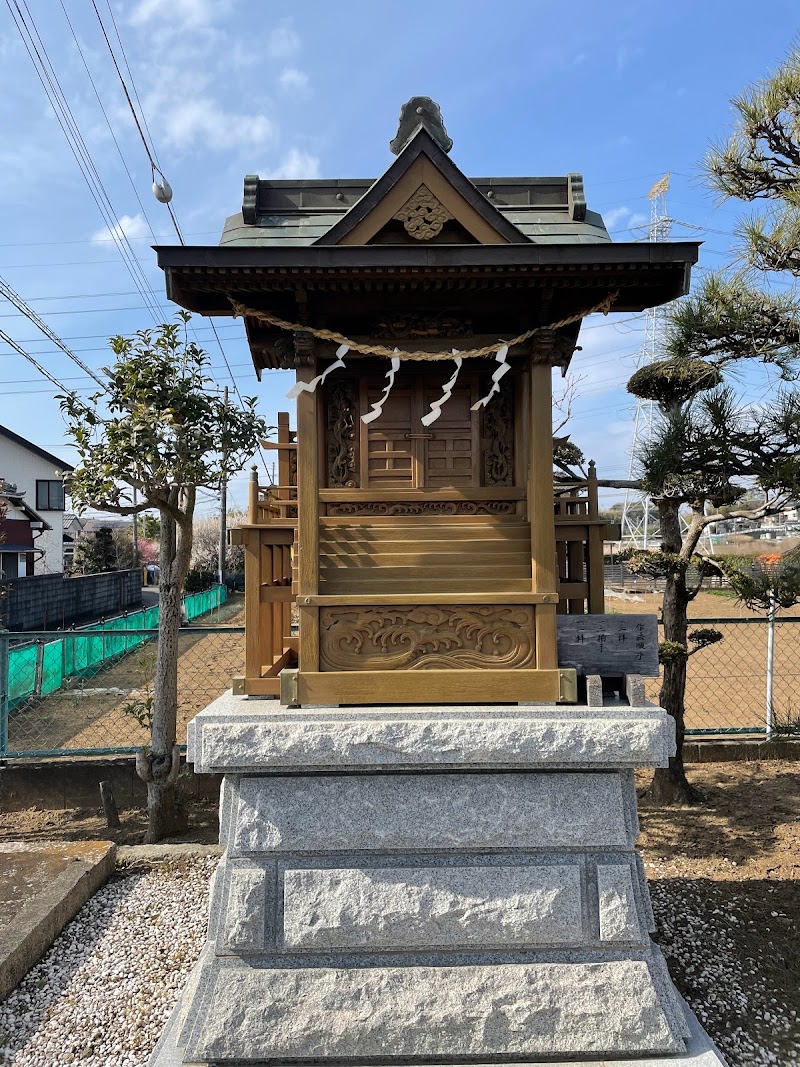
(420, 885)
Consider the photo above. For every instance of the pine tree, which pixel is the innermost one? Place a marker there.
(711, 448)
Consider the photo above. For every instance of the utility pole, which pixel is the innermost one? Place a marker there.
(223, 508)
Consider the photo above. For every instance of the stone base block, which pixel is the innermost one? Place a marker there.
(262, 737)
(423, 885)
(700, 1051)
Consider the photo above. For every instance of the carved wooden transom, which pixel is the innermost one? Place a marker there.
(423, 216)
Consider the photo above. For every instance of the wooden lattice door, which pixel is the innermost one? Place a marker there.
(402, 453)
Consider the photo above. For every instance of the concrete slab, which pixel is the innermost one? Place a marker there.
(42, 887)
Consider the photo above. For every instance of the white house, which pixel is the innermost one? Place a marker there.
(36, 475)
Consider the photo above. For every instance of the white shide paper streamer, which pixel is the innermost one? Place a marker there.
(310, 387)
(447, 389)
(377, 408)
(504, 367)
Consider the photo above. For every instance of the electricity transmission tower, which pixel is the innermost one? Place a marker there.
(639, 517)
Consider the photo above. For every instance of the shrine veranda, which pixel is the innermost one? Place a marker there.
(428, 804)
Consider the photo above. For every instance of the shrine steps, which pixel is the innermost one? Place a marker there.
(448, 557)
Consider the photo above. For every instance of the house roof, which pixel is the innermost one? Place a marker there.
(17, 499)
(60, 464)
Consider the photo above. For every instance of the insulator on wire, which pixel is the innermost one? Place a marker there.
(162, 190)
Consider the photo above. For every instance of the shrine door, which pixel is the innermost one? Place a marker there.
(398, 452)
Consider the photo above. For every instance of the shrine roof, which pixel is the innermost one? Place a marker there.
(298, 213)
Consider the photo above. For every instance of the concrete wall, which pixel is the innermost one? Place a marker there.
(50, 601)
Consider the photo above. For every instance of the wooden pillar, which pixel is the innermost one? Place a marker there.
(308, 521)
(540, 510)
(252, 496)
(253, 657)
(594, 551)
(283, 456)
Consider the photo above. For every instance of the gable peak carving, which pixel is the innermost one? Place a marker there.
(423, 215)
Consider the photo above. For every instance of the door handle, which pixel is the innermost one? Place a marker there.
(420, 436)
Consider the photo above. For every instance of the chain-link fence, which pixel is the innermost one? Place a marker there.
(103, 703)
(727, 688)
(105, 675)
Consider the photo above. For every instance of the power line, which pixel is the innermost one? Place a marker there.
(15, 299)
(42, 370)
(46, 74)
(155, 168)
(108, 124)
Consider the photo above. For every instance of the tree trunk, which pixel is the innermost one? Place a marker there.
(669, 785)
(159, 764)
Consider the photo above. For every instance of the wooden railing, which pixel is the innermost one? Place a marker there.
(269, 541)
(579, 546)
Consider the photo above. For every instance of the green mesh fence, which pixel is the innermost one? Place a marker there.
(199, 603)
(40, 669)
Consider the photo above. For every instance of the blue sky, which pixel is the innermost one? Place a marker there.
(620, 91)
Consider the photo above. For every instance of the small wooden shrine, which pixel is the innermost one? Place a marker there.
(416, 520)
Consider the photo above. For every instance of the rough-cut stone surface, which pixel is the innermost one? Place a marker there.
(430, 811)
(247, 903)
(418, 1013)
(236, 733)
(700, 1051)
(429, 907)
(618, 921)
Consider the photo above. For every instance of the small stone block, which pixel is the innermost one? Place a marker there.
(634, 690)
(618, 921)
(244, 922)
(594, 691)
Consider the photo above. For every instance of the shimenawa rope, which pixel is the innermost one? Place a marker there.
(603, 305)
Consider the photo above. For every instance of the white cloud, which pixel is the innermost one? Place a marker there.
(295, 164)
(179, 14)
(203, 121)
(130, 226)
(292, 80)
(615, 218)
(282, 41)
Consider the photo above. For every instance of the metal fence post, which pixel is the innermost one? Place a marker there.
(39, 674)
(5, 688)
(769, 717)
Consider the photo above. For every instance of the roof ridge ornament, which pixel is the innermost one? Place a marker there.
(420, 113)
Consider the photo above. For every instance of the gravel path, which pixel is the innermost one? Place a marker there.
(102, 994)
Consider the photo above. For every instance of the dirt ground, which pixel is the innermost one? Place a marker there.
(717, 604)
(92, 714)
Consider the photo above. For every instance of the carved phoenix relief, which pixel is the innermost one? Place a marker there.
(426, 638)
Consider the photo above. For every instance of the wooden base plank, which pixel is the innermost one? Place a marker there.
(435, 687)
(257, 687)
(373, 599)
